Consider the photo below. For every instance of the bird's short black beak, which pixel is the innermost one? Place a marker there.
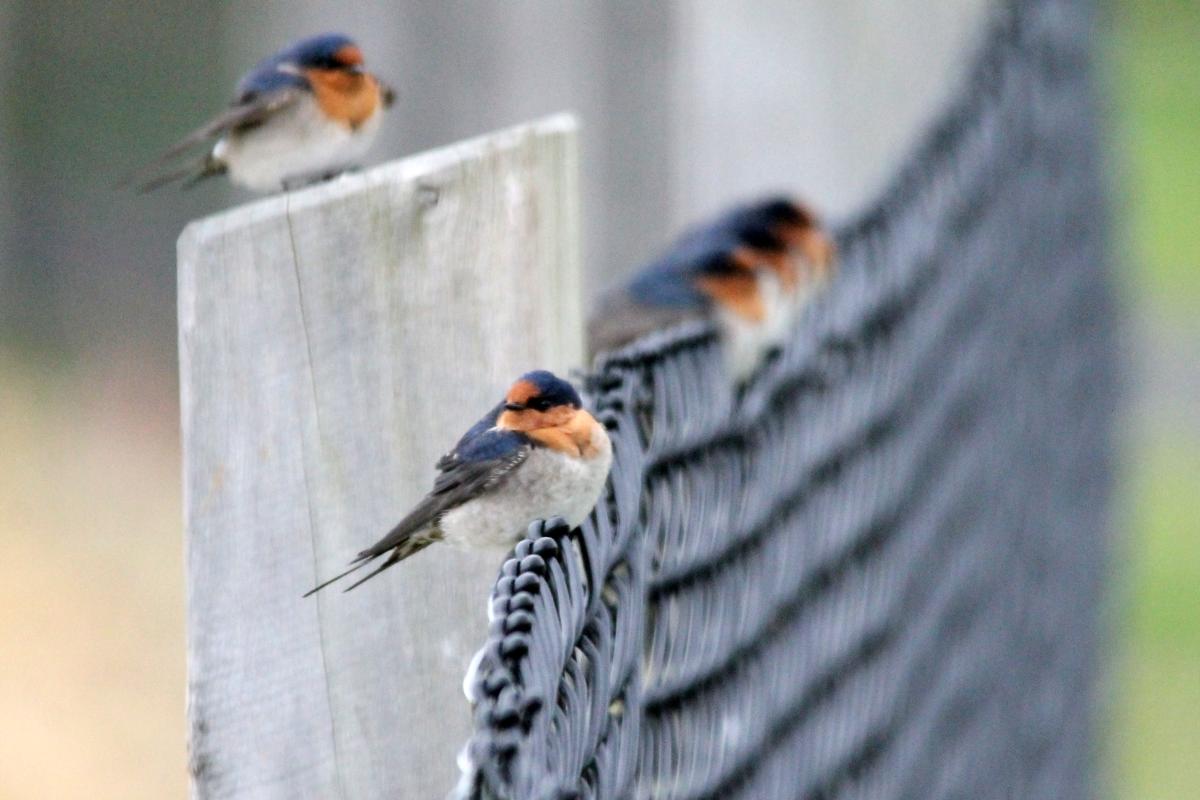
(514, 407)
(388, 94)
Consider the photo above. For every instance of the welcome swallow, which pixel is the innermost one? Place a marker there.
(537, 454)
(750, 270)
(307, 112)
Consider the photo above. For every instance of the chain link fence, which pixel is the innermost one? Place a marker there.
(876, 571)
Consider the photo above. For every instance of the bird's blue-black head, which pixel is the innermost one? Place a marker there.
(326, 51)
(329, 51)
(775, 210)
(541, 391)
(763, 223)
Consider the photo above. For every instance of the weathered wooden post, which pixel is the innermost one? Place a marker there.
(333, 342)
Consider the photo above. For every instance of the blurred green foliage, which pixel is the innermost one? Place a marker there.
(1155, 76)
(1156, 727)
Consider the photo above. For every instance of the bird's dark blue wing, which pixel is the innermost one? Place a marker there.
(663, 293)
(260, 94)
(483, 444)
(268, 80)
(664, 285)
(670, 282)
(485, 422)
(478, 464)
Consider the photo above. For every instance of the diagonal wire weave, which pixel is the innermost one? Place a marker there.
(874, 573)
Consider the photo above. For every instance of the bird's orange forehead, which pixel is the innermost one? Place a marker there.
(349, 55)
(522, 392)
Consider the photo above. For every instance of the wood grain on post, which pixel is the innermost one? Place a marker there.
(333, 343)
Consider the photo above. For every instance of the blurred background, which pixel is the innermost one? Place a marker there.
(685, 106)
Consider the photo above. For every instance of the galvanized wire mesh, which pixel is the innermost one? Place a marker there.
(875, 572)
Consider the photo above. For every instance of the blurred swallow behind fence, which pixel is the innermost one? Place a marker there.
(750, 271)
(306, 113)
(537, 454)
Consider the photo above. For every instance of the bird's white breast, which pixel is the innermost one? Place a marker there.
(295, 143)
(547, 484)
(779, 305)
(743, 341)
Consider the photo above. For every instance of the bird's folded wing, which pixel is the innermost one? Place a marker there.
(252, 110)
(474, 468)
(619, 321)
(247, 113)
(471, 440)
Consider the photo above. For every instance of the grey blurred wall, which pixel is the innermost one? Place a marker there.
(92, 89)
(7, 154)
(824, 98)
(685, 106)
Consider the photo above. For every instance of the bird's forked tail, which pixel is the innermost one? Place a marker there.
(400, 551)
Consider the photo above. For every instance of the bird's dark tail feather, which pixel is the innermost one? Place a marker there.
(355, 565)
(392, 560)
(211, 169)
(401, 551)
(187, 175)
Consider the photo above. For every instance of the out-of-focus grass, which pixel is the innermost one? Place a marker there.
(1155, 73)
(1156, 76)
(91, 586)
(1155, 733)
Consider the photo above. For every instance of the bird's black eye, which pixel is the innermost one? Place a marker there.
(539, 404)
(327, 62)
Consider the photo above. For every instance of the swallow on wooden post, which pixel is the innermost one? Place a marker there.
(306, 113)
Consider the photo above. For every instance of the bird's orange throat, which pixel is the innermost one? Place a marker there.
(737, 292)
(821, 251)
(574, 438)
(348, 97)
(813, 245)
(564, 430)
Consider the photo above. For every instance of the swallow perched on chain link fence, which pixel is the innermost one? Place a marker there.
(538, 454)
(750, 270)
(306, 113)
